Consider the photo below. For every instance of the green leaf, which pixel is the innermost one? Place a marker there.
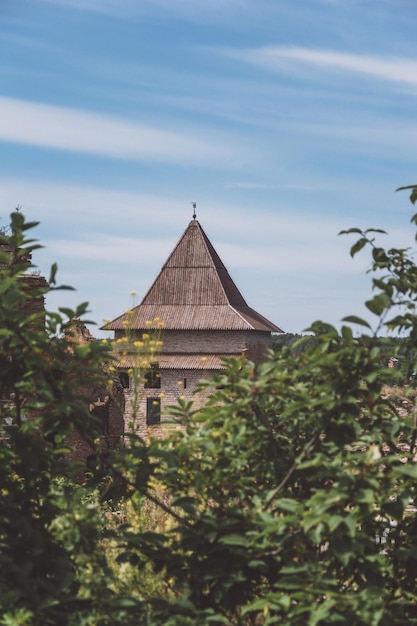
(186, 502)
(286, 504)
(321, 612)
(353, 319)
(376, 230)
(407, 469)
(234, 540)
(413, 195)
(358, 246)
(356, 231)
(378, 304)
(52, 274)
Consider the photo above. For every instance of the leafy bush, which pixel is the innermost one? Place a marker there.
(289, 498)
(292, 492)
(51, 568)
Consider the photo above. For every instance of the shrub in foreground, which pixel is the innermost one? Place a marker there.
(289, 498)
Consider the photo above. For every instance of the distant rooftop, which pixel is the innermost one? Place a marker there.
(194, 291)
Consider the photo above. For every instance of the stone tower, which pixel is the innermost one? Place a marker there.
(204, 318)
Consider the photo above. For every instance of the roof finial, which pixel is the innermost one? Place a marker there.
(194, 207)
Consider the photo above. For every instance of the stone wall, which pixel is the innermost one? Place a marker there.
(204, 341)
(222, 342)
(174, 384)
(108, 408)
(258, 343)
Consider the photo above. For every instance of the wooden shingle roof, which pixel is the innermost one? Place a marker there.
(194, 291)
(179, 361)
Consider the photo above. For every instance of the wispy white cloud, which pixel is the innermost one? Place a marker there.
(391, 68)
(49, 201)
(75, 222)
(100, 6)
(136, 252)
(75, 130)
(246, 184)
(94, 209)
(115, 250)
(189, 9)
(109, 242)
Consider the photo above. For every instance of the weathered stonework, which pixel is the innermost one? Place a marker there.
(109, 409)
(204, 318)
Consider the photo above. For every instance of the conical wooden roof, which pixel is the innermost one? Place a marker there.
(194, 291)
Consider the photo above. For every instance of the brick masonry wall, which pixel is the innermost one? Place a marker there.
(109, 409)
(204, 341)
(176, 383)
(258, 344)
(213, 342)
(199, 341)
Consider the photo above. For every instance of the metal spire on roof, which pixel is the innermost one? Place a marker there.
(194, 207)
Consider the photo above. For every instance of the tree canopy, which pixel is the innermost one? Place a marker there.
(289, 498)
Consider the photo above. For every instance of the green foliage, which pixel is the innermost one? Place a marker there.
(49, 536)
(292, 493)
(413, 194)
(295, 342)
(289, 498)
(282, 484)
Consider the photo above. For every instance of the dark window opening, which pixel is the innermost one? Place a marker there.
(184, 383)
(100, 409)
(152, 380)
(153, 411)
(124, 380)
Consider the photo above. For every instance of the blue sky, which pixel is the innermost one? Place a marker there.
(285, 121)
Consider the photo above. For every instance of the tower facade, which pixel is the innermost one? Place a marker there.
(204, 318)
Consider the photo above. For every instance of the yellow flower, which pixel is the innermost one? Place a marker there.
(145, 335)
(138, 344)
(148, 323)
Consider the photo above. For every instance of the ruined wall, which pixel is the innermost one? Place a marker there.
(174, 384)
(108, 408)
(258, 343)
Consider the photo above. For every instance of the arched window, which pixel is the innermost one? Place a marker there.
(124, 380)
(152, 379)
